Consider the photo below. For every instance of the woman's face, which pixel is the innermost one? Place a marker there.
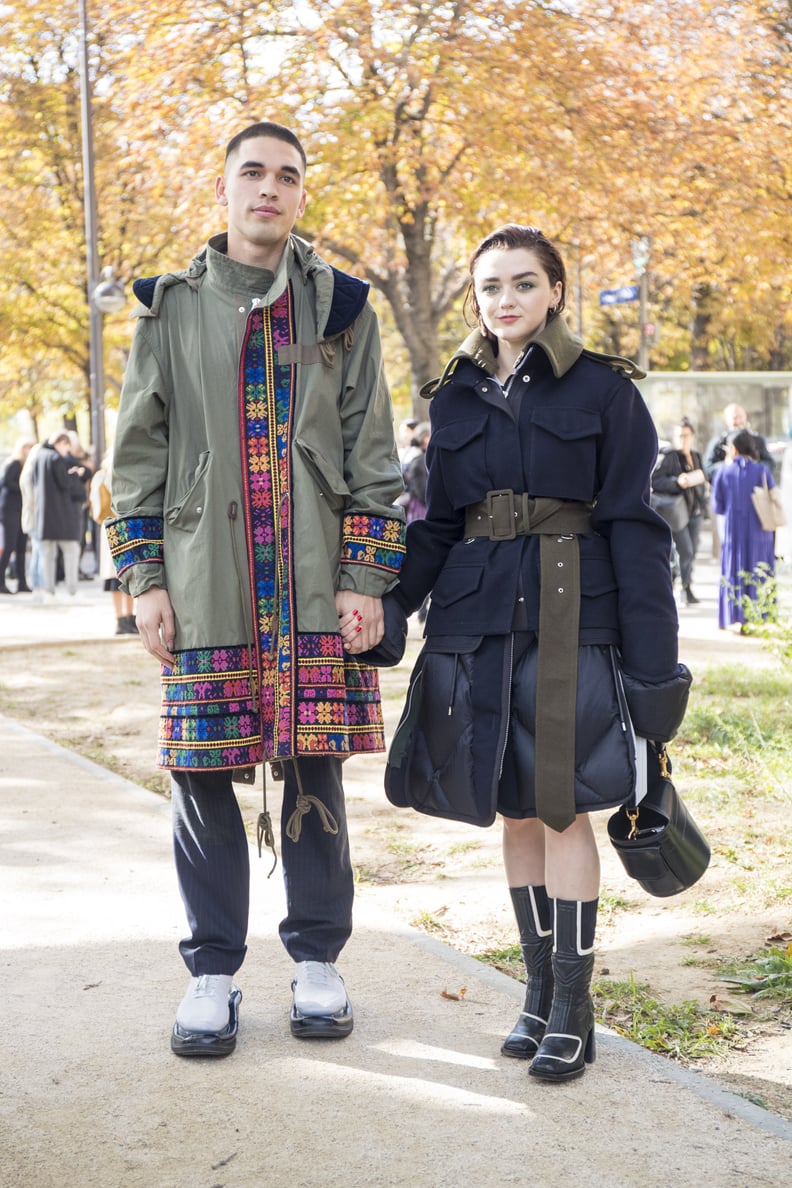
(514, 294)
(683, 438)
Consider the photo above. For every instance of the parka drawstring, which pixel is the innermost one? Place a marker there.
(303, 805)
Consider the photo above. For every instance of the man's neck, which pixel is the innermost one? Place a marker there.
(264, 256)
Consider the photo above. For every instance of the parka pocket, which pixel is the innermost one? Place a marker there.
(187, 512)
(563, 453)
(326, 475)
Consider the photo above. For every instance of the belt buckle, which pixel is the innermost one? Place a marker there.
(501, 514)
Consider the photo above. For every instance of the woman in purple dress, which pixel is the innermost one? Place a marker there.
(747, 551)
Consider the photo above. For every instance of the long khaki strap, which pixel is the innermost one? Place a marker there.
(502, 515)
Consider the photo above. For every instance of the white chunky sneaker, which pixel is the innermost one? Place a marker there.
(321, 1008)
(205, 1005)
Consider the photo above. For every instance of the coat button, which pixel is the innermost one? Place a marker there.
(198, 511)
(526, 379)
(484, 388)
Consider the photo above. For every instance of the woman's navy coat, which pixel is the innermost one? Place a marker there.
(582, 432)
(576, 428)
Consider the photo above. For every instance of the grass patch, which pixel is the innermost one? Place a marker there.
(739, 721)
(508, 960)
(464, 847)
(428, 922)
(698, 939)
(683, 1032)
(767, 975)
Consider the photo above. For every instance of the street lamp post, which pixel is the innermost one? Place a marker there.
(107, 295)
(641, 249)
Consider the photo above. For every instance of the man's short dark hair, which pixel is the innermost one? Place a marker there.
(266, 128)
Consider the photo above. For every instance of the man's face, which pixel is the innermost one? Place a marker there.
(736, 417)
(262, 189)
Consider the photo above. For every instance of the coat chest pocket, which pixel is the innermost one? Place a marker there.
(563, 453)
(459, 449)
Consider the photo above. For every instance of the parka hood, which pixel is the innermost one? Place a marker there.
(340, 298)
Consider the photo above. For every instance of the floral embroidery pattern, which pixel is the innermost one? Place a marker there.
(135, 540)
(373, 540)
(207, 717)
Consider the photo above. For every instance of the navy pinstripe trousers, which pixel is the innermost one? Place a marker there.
(213, 868)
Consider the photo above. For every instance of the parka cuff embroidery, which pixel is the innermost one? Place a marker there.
(373, 540)
(135, 540)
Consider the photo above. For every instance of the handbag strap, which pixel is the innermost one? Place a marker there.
(633, 813)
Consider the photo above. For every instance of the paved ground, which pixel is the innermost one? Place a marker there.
(91, 1097)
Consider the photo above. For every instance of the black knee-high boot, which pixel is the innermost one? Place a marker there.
(532, 909)
(568, 1043)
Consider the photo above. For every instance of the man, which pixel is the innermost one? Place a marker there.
(254, 476)
(60, 492)
(735, 417)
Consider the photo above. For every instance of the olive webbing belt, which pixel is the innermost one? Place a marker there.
(504, 515)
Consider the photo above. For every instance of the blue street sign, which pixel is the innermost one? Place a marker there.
(618, 296)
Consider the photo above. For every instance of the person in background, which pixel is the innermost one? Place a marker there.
(81, 458)
(543, 557)
(735, 418)
(27, 487)
(13, 535)
(101, 510)
(680, 471)
(747, 550)
(407, 447)
(415, 475)
(254, 479)
(60, 492)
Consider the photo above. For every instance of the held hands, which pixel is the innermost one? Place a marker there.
(156, 624)
(360, 620)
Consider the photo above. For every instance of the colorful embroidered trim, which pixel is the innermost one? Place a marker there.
(373, 540)
(209, 720)
(134, 540)
(208, 717)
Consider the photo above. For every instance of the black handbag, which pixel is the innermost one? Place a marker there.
(673, 509)
(658, 842)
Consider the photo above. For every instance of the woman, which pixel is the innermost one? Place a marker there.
(101, 509)
(747, 551)
(679, 472)
(539, 462)
(11, 517)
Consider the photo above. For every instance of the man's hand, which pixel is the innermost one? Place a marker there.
(360, 620)
(156, 625)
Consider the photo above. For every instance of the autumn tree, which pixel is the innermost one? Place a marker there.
(427, 124)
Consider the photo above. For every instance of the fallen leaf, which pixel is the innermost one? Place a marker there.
(729, 1006)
